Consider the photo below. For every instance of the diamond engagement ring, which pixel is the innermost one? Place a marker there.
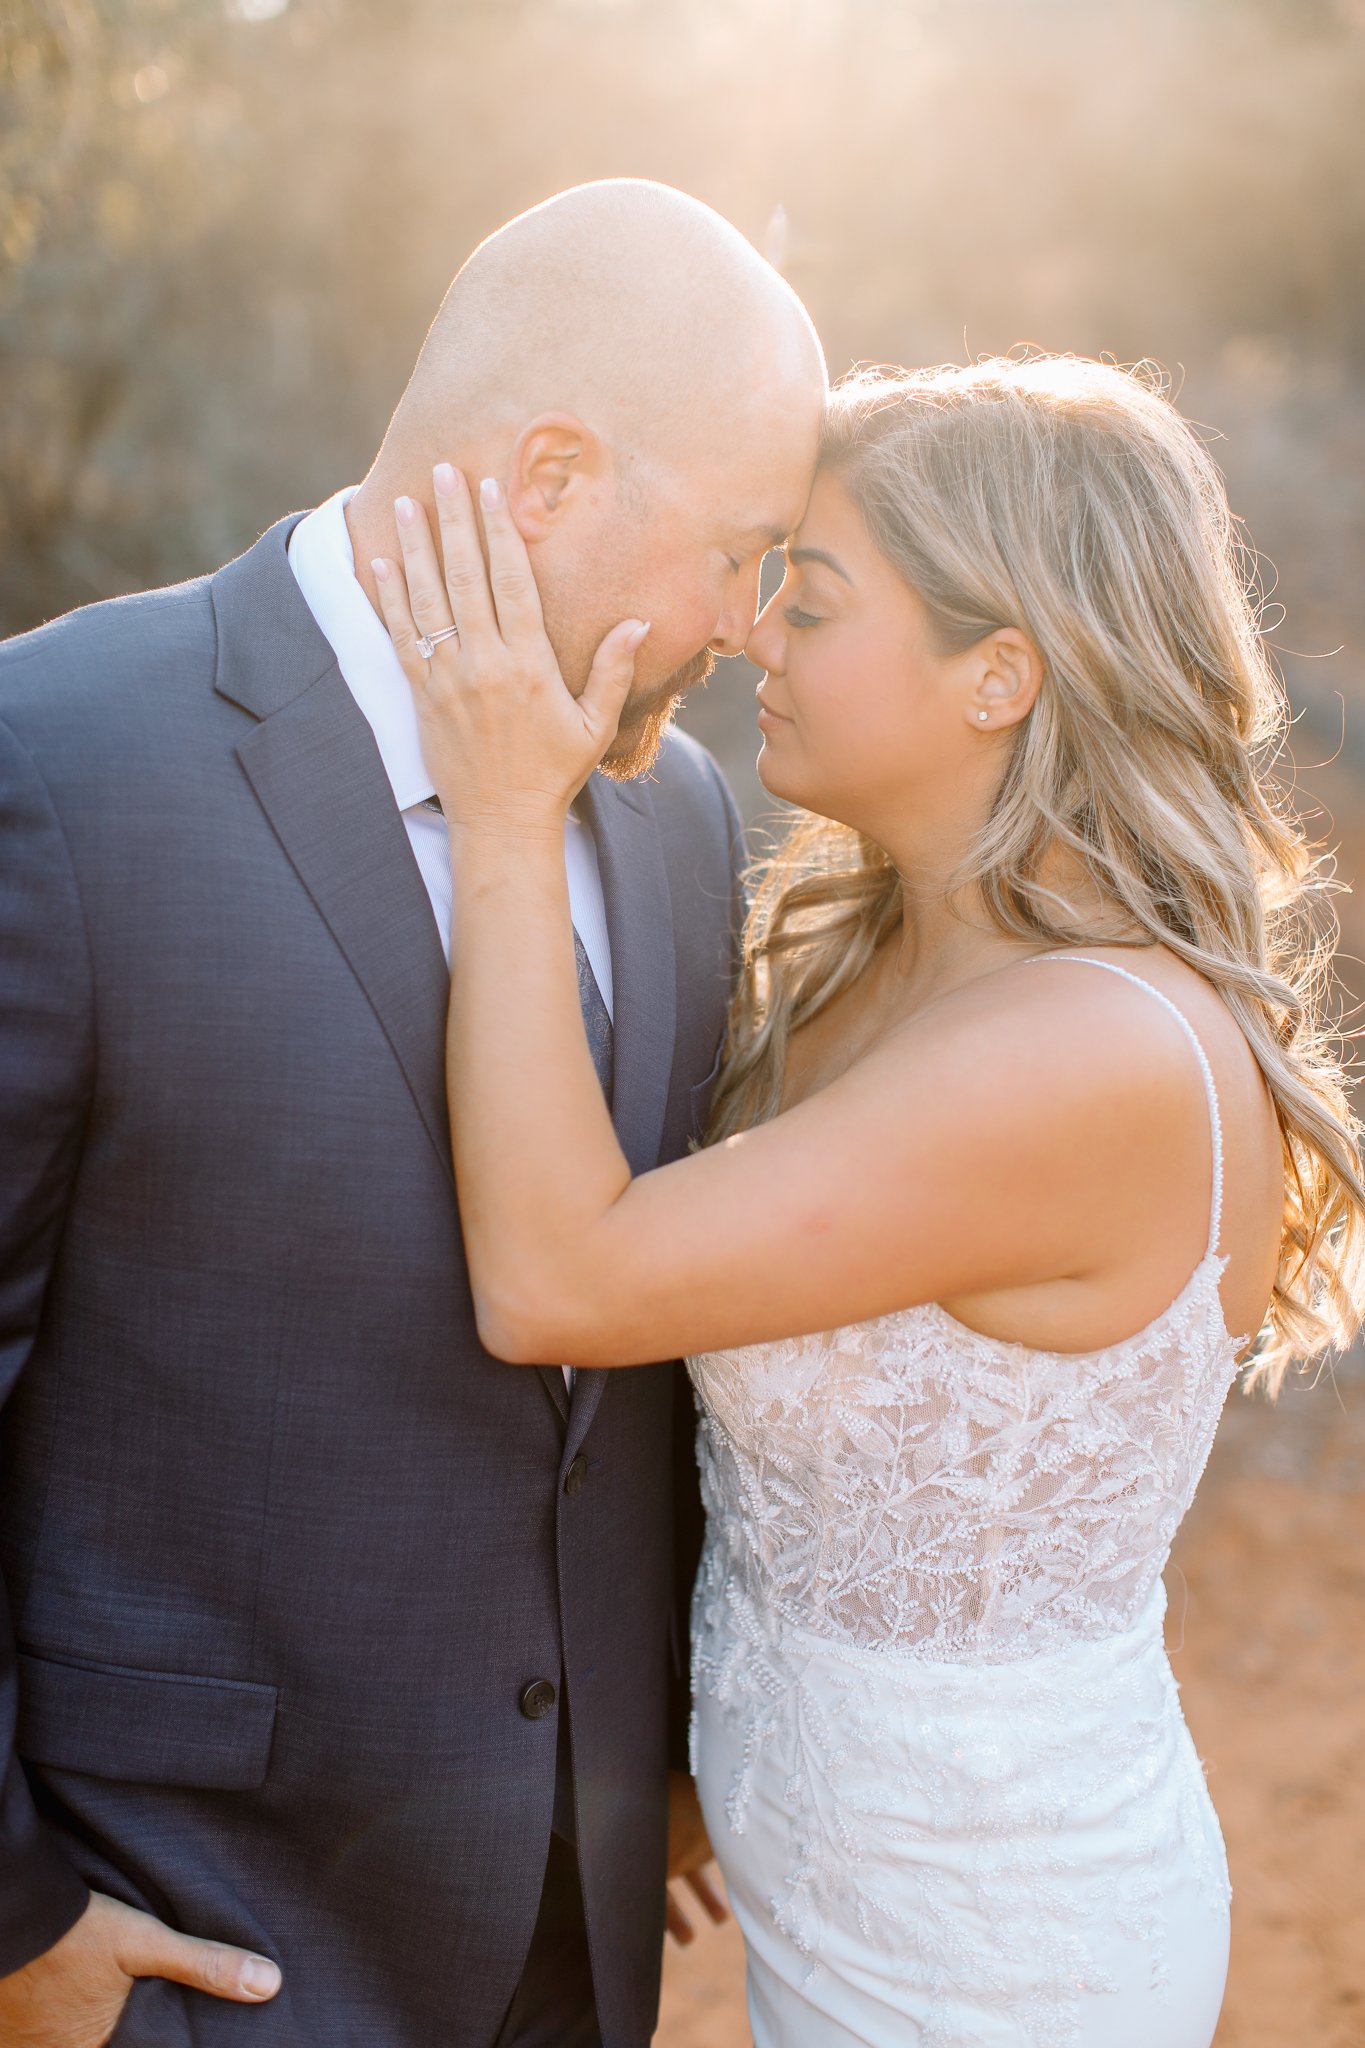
(427, 643)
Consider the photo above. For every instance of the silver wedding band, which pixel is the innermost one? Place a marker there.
(427, 643)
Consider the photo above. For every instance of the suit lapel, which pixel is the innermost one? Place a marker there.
(639, 911)
(316, 772)
(314, 766)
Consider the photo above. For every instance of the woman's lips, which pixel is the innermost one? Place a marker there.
(768, 719)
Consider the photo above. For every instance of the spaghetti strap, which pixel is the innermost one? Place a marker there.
(1210, 1087)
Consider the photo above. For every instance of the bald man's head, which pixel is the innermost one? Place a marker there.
(627, 302)
(649, 391)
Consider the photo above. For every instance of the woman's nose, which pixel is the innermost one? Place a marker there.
(766, 643)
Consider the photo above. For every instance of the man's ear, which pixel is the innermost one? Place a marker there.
(555, 463)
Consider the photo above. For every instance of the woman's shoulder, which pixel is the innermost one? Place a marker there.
(1088, 985)
(1074, 1034)
(1078, 996)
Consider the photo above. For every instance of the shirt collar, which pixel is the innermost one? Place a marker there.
(323, 562)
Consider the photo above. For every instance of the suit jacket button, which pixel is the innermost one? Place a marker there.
(576, 1474)
(538, 1699)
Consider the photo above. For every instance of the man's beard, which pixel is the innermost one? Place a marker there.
(647, 718)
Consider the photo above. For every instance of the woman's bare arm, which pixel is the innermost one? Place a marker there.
(978, 1148)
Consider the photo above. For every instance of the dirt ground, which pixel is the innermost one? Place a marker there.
(1267, 1598)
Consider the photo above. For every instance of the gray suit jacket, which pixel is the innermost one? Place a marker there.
(282, 1546)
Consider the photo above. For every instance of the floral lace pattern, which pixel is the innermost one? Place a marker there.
(928, 1613)
(907, 1484)
(933, 1566)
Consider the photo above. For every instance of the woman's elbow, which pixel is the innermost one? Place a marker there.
(520, 1330)
(509, 1336)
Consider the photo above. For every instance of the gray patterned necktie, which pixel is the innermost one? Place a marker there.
(596, 1019)
(596, 1016)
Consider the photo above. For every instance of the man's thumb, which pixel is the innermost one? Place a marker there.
(611, 675)
(153, 1950)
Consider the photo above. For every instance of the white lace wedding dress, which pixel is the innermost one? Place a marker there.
(937, 1740)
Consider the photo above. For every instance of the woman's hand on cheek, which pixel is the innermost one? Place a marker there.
(506, 744)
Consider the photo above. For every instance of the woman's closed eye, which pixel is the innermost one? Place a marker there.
(797, 619)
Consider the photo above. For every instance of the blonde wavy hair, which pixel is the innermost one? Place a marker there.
(1068, 498)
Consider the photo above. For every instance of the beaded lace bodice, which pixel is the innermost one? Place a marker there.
(907, 1484)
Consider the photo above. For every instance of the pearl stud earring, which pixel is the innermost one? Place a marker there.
(983, 716)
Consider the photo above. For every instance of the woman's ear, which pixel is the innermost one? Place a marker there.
(1008, 676)
(555, 461)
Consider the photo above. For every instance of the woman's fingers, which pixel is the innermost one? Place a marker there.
(609, 680)
(422, 572)
(464, 577)
(498, 600)
(515, 596)
(393, 603)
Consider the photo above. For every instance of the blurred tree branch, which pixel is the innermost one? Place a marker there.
(224, 224)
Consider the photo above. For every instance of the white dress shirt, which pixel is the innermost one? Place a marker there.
(323, 562)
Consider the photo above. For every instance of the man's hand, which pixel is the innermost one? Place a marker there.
(72, 1996)
(689, 1852)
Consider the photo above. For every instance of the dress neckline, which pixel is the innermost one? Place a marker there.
(1211, 1268)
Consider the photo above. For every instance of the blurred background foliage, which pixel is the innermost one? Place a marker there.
(225, 224)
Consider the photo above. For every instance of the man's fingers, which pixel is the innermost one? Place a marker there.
(679, 1926)
(148, 1949)
(509, 569)
(711, 1901)
(714, 1905)
(609, 679)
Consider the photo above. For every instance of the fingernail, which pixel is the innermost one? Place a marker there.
(489, 492)
(381, 569)
(406, 511)
(636, 634)
(259, 1977)
(444, 477)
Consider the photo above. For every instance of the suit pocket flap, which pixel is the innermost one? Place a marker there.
(144, 1727)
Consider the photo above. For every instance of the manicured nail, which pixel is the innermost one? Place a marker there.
(490, 493)
(444, 478)
(259, 1977)
(636, 635)
(405, 510)
(381, 569)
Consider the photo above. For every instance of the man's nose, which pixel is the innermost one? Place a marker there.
(735, 623)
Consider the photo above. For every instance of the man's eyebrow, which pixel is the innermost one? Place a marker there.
(803, 555)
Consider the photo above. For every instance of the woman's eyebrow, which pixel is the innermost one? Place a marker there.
(803, 555)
